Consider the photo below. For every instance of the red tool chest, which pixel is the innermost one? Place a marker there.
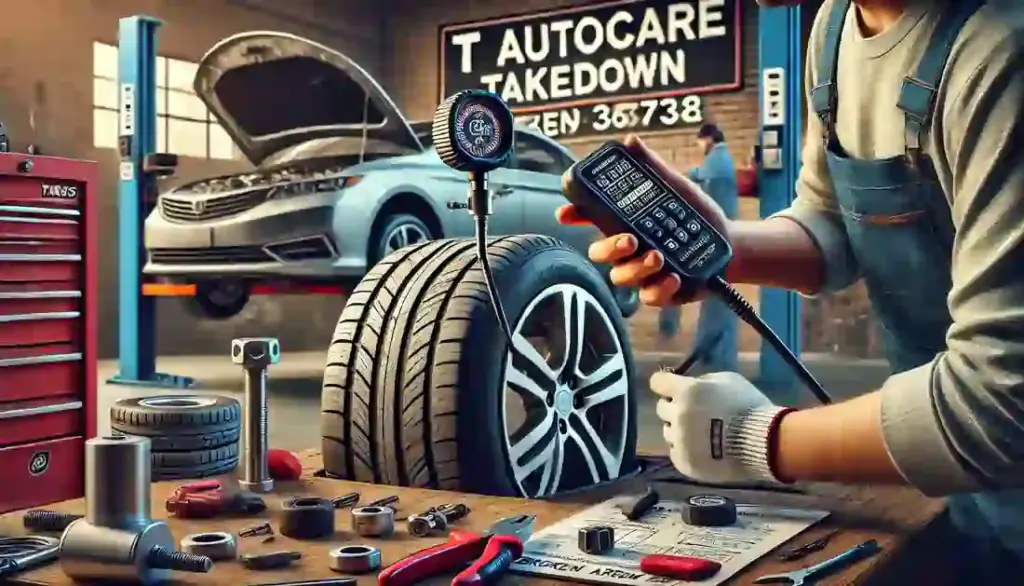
(48, 288)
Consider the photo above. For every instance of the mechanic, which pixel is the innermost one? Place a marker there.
(912, 180)
(718, 327)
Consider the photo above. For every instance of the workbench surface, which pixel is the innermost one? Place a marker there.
(891, 516)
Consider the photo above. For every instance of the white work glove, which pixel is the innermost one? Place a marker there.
(718, 427)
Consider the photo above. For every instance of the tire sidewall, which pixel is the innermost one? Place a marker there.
(481, 397)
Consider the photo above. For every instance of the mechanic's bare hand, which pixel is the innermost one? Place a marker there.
(657, 287)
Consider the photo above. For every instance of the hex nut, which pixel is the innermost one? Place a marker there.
(217, 545)
(255, 352)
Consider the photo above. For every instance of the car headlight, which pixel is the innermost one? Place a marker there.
(312, 186)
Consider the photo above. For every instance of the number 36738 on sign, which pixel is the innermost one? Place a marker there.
(614, 118)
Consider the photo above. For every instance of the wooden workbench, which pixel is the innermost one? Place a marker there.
(891, 516)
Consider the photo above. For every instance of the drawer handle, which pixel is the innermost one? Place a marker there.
(47, 359)
(40, 257)
(18, 317)
(41, 410)
(40, 295)
(41, 211)
(20, 220)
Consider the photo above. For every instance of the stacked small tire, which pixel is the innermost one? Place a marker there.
(192, 436)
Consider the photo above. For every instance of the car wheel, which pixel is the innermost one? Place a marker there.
(218, 299)
(421, 390)
(399, 231)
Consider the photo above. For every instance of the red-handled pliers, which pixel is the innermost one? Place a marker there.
(489, 555)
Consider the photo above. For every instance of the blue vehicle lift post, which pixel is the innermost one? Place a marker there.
(137, 122)
(781, 90)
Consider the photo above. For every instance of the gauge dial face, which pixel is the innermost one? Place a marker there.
(478, 133)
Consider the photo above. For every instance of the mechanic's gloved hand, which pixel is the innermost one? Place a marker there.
(719, 428)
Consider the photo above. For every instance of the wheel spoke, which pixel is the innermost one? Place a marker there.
(574, 312)
(528, 373)
(595, 453)
(552, 476)
(607, 382)
(540, 428)
(534, 446)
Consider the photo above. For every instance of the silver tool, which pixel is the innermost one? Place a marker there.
(373, 521)
(811, 575)
(436, 519)
(216, 545)
(255, 355)
(21, 554)
(355, 559)
(117, 540)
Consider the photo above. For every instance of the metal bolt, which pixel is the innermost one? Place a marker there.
(384, 502)
(562, 426)
(453, 513)
(165, 559)
(44, 520)
(255, 355)
(261, 529)
(550, 400)
(346, 500)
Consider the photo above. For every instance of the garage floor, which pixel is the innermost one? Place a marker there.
(295, 389)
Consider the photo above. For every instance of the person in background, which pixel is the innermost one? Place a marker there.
(717, 327)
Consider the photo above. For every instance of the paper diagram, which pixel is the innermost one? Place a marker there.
(554, 551)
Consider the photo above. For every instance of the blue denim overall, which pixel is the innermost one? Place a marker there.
(717, 326)
(900, 230)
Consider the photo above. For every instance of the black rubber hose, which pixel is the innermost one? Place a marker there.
(485, 266)
(746, 312)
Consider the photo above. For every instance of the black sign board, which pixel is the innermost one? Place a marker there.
(605, 68)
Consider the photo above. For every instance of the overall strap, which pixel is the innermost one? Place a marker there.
(917, 94)
(824, 98)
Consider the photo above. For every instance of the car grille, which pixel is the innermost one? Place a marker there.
(203, 208)
(209, 256)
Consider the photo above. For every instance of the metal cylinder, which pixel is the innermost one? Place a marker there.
(256, 474)
(91, 553)
(117, 482)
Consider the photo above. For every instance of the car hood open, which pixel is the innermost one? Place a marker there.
(273, 90)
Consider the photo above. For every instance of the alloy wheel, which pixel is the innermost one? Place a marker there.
(403, 235)
(567, 384)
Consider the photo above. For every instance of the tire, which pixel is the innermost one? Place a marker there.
(217, 299)
(627, 299)
(382, 244)
(194, 464)
(179, 423)
(414, 387)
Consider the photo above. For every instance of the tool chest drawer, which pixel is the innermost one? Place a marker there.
(41, 473)
(47, 326)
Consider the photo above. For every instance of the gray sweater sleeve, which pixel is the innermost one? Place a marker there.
(815, 207)
(957, 424)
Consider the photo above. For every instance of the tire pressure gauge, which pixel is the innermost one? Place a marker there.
(473, 133)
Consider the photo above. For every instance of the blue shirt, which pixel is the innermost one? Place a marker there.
(717, 176)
